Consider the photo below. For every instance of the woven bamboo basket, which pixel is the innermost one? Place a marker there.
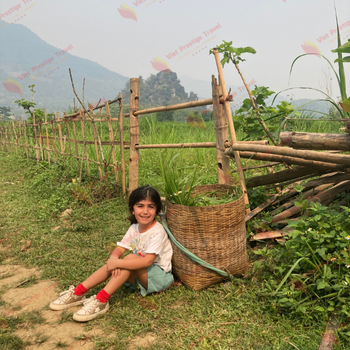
(216, 234)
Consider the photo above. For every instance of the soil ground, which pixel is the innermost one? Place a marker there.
(55, 327)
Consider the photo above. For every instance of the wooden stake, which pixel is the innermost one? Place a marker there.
(37, 156)
(47, 140)
(134, 134)
(94, 131)
(84, 144)
(121, 133)
(75, 139)
(232, 129)
(60, 133)
(221, 133)
(111, 137)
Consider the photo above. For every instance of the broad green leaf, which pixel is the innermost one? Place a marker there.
(343, 49)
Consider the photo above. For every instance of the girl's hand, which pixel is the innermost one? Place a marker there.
(112, 264)
(116, 273)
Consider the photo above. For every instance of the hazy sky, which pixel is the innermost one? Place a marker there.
(125, 36)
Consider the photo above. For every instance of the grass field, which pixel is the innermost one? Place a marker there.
(230, 315)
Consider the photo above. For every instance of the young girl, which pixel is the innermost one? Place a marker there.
(149, 266)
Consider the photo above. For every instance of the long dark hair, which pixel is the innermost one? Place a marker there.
(140, 194)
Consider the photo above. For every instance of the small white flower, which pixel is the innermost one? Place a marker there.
(347, 237)
(333, 259)
(347, 266)
(309, 229)
(346, 283)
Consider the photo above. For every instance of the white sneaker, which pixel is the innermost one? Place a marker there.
(92, 308)
(67, 299)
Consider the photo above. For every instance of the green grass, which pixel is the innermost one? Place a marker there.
(225, 316)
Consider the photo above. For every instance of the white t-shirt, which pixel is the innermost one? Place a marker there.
(153, 241)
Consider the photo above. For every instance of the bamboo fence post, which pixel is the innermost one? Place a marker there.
(47, 139)
(69, 142)
(25, 127)
(60, 134)
(53, 129)
(121, 133)
(20, 136)
(111, 137)
(35, 139)
(232, 128)
(94, 131)
(84, 143)
(15, 136)
(75, 141)
(221, 133)
(134, 134)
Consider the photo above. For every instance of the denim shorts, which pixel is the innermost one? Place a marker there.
(158, 280)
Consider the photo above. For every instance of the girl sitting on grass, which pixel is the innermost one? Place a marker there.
(149, 266)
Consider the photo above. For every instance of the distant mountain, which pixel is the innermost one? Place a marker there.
(159, 90)
(26, 59)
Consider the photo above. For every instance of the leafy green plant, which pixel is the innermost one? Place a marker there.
(177, 185)
(274, 117)
(314, 265)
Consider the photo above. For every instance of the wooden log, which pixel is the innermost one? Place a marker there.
(304, 195)
(281, 176)
(289, 160)
(321, 197)
(269, 202)
(286, 183)
(271, 234)
(111, 137)
(310, 155)
(315, 141)
(232, 128)
(206, 102)
(121, 134)
(221, 133)
(134, 134)
(258, 166)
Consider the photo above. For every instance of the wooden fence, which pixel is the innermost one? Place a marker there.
(55, 139)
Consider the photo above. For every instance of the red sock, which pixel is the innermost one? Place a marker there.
(80, 290)
(102, 296)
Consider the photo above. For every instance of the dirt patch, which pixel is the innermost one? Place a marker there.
(142, 342)
(50, 333)
(10, 275)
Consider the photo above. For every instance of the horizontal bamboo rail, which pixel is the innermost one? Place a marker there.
(186, 145)
(208, 101)
(309, 155)
(289, 160)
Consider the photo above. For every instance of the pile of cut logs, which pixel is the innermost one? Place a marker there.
(308, 155)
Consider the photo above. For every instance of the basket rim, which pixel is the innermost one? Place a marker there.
(206, 206)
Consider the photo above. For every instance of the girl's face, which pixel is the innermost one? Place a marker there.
(145, 212)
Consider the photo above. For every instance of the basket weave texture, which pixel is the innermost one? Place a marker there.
(216, 234)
